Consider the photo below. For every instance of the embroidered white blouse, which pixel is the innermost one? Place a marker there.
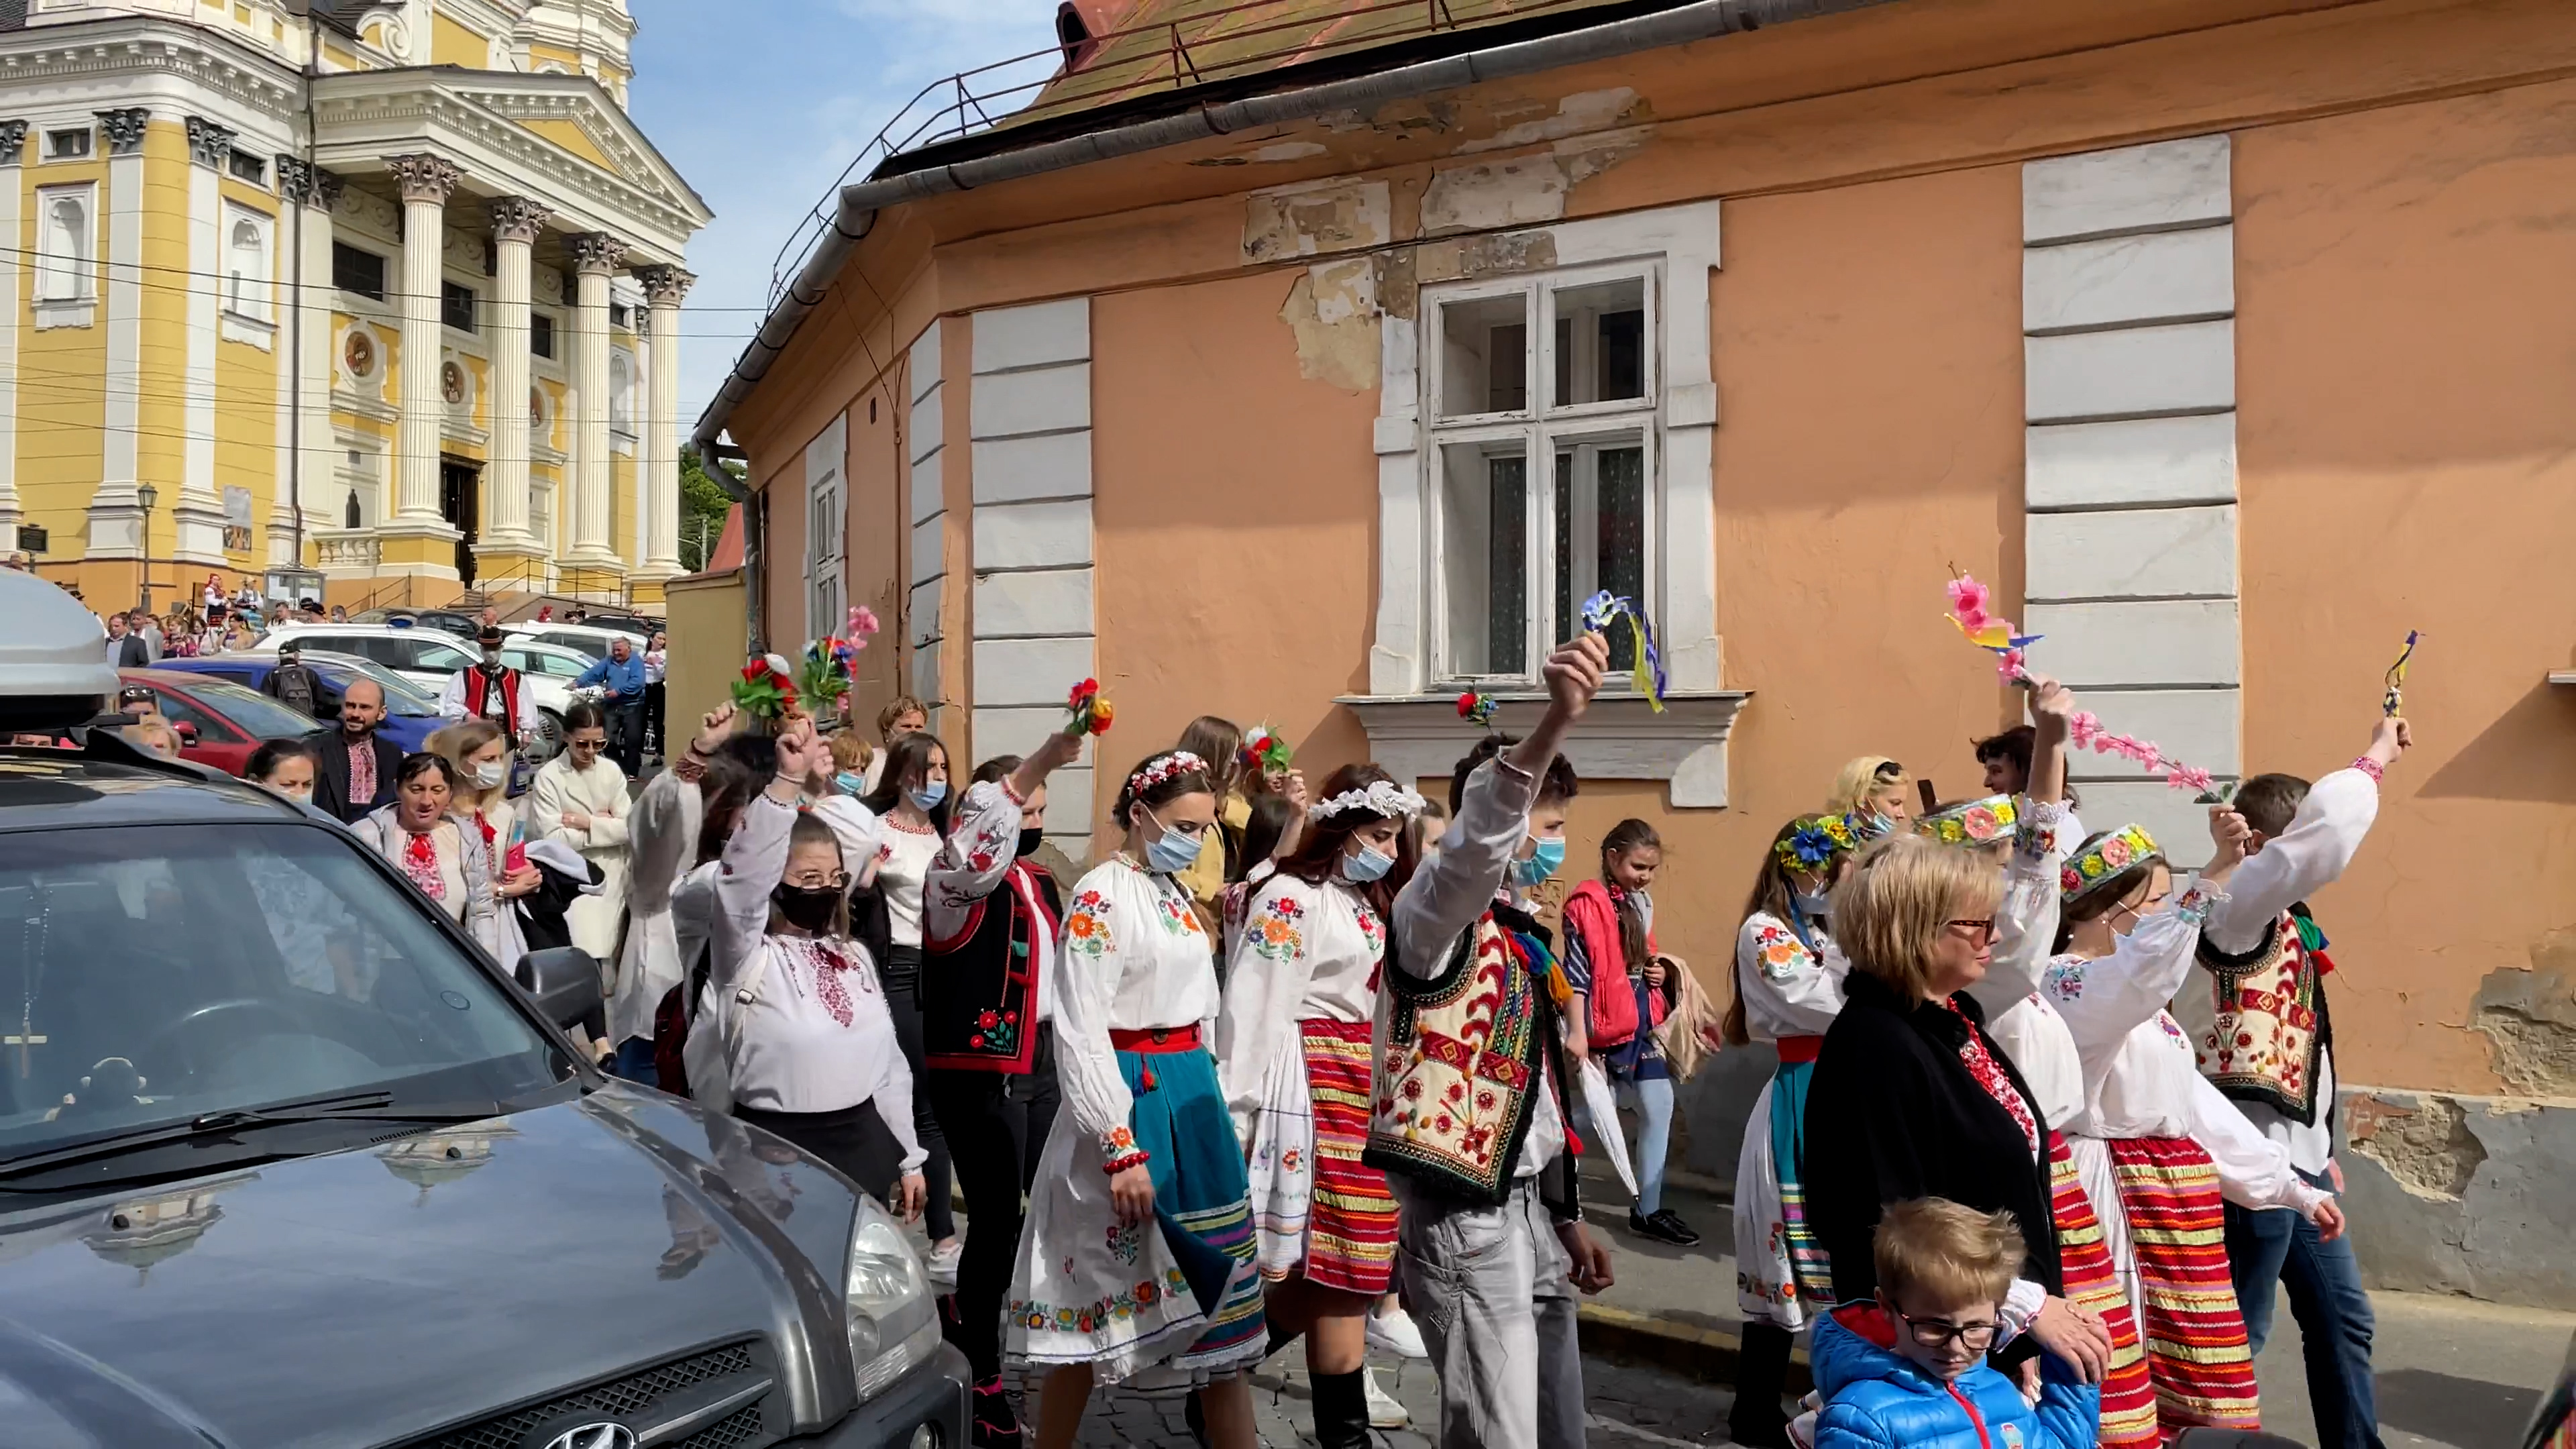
(1135, 959)
(903, 864)
(2304, 859)
(2018, 1016)
(817, 1036)
(1306, 953)
(983, 840)
(1787, 989)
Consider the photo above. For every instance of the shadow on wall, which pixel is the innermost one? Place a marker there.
(2529, 753)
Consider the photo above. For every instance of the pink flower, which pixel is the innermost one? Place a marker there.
(2082, 728)
(2185, 777)
(2008, 663)
(1968, 600)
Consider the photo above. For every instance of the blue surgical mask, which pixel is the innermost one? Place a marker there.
(1367, 864)
(851, 782)
(929, 796)
(1171, 851)
(1543, 862)
(1814, 908)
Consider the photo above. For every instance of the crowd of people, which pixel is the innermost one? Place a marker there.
(2049, 1122)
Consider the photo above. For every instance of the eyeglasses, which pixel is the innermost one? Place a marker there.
(1977, 930)
(1940, 1332)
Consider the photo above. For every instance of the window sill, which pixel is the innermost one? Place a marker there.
(1621, 737)
(50, 315)
(238, 327)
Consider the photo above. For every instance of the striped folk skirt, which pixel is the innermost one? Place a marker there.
(1322, 1214)
(1782, 1275)
(2128, 1394)
(2196, 1347)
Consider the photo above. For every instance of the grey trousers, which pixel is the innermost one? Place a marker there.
(1488, 1288)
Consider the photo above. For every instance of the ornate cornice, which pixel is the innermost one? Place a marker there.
(516, 218)
(124, 130)
(327, 186)
(597, 251)
(209, 145)
(425, 177)
(665, 286)
(13, 142)
(294, 177)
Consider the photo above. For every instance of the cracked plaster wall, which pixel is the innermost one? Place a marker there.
(2461, 1194)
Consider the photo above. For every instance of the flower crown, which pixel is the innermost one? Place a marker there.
(1163, 767)
(1382, 798)
(1815, 842)
(1976, 822)
(2103, 859)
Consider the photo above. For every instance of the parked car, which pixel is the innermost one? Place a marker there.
(219, 722)
(588, 640)
(423, 656)
(411, 715)
(446, 621)
(547, 672)
(286, 1159)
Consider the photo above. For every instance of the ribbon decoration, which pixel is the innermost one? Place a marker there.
(1968, 600)
(2394, 702)
(1087, 712)
(1605, 607)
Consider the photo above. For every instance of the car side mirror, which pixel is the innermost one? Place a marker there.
(565, 982)
(187, 732)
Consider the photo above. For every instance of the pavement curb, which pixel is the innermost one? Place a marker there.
(1708, 1355)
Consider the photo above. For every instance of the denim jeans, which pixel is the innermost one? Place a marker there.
(2335, 1323)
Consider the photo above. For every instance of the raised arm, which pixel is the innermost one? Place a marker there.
(755, 856)
(2104, 999)
(2312, 853)
(2026, 917)
(983, 840)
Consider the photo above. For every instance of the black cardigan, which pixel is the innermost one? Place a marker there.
(1893, 1114)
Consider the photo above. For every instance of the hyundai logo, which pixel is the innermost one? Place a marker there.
(594, 1436)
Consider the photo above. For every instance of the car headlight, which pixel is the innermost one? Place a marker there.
(893, 1323)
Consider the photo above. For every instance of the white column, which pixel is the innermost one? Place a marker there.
(318, 483)
(13, 149)
(426, 183)
(115, 515)
(197, 515)
(664, 287)
(515, 224)
(595, 258)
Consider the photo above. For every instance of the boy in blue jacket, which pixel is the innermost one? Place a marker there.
(1910, 1369)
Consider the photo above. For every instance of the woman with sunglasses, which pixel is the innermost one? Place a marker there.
(1910, 1097)
(2157, 1146)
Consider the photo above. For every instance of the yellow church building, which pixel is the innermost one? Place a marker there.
(387, 289)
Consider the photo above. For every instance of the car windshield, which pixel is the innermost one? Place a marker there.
(154, 975)
(402, 697)
(255, 713)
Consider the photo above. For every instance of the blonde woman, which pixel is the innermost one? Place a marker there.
(1875, 792)
(1911, 1098)
(480, 799)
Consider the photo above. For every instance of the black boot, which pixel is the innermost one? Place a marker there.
(1341, 1410)
(1761, 1377)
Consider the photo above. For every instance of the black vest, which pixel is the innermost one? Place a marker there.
(979, 992)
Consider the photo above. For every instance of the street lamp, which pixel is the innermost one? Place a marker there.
(147, 495)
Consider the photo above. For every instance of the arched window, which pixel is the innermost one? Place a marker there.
(64, 249)
(247, 266)
(621, 393)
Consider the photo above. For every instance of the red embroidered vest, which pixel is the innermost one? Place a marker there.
(2261, 1028)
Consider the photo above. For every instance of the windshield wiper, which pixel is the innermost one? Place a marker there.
(375, 1106)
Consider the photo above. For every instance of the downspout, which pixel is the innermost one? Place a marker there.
(295, 319)
(856, 211)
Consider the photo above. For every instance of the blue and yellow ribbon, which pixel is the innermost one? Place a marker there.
(1606, 608)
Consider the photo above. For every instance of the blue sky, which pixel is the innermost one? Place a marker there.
(761, 103)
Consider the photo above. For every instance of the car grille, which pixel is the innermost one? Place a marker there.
(627, 1397)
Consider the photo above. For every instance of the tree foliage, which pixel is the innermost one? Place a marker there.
(703, 505)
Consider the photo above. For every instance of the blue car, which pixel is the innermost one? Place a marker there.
(410, 715)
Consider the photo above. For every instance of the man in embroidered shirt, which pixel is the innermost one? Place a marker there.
(492, 690)
(2303, 838)
(1488, 1280)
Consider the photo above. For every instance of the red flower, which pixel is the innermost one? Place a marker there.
(1011, 1017)
(976, 1041)
(986, 1020)
(1443, 1122)
(755, 671)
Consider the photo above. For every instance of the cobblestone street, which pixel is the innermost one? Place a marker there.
(1629, 1408)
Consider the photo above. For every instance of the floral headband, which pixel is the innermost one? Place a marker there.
(2113, 853)
(1815, 842)
(1163, 767)
(1977, 822)
(1383, 798)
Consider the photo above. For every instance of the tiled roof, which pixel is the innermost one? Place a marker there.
(1140, 47)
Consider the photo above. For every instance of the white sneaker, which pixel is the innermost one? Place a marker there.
(942, 1262)
(1393, 1331)
(1384, 1412)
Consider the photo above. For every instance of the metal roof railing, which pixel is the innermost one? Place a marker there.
(1219, 43)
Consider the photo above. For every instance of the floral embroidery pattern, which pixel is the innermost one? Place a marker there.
(1276, 935)
(996, 1031)
(1989, 1073)
(1126, 1240)
(1782, 954)
(1095, 1316)
(1086, 926)
(2064, 980)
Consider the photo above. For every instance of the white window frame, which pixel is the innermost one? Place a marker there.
(1542, 428)
(66, 292)
(250, 298)
(1412, 722)
(827, 520)
(71, 143)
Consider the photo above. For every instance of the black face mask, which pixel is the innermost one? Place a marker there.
(1030, 839)
(807, 908)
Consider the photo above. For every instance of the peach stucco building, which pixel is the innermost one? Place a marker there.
(2229, 338)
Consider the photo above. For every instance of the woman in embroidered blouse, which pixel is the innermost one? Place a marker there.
(1137, 1261)
(481, 757)
(1788, 990)
(428, 845)
(812, 1055)
(1911, 1098)
(1293, 1041)
(911, 803)
(2159, 1145)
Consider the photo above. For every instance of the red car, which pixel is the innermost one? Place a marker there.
(219, 722)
